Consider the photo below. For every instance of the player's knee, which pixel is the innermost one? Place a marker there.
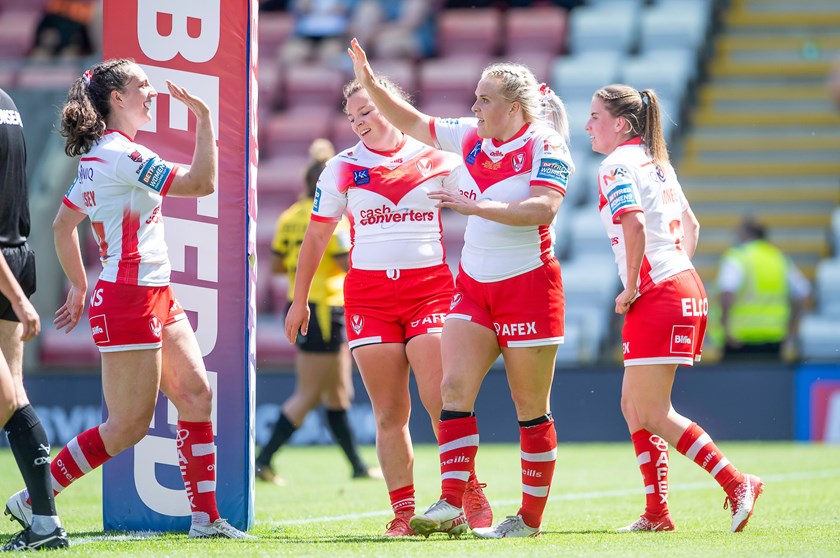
(391, 418)
(651, 418)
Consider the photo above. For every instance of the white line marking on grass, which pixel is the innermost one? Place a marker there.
(122, 537)
(782, 477)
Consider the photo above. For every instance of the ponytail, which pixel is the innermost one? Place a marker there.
(554, 111)
(642, 111)
(84, 116)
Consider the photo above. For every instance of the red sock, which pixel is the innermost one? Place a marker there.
(80, 456)
(652, 456)
(699, 447)
(458, 440)
(539, 454)
(402, 500)
(197, 461)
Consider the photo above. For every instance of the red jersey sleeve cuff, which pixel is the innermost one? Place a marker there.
(551, 185)
(623, 210)
(433, 131)
(324, 219)
(72, 205)
(169, 180)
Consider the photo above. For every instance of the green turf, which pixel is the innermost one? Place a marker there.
(597, 488)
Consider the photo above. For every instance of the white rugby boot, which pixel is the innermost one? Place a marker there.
(218, 529)
(512, 526)
(18, 510)
(441, 517)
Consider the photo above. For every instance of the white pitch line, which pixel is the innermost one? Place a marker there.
(784, 477)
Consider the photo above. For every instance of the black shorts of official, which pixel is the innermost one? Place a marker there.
(21, 260)
(314, 341)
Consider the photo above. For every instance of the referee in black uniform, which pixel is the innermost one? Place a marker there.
(27, 437)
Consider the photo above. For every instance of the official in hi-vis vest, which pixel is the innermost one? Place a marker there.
(762, 295)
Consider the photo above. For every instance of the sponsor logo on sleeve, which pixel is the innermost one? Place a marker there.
(554, 170)
(620, 197)
(317, 204)
(470, 158)
(361, 177)
(70, 189)
(615, 174)
(154, 174)
(135, 156)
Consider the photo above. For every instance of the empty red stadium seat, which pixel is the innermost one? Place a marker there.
(17, 31)
(401, 72)
(450, 80)
(313, 86)
(280, 181)
(274, 29)
(475, 31)
(290, 133)
(47, 76)
(541, 29)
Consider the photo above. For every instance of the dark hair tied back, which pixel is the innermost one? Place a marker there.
(84, 115)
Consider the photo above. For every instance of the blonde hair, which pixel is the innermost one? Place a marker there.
(641, 110)
(538, 101)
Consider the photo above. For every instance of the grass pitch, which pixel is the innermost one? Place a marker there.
(597, 488)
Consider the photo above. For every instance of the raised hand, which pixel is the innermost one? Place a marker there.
(196, 105)
(361, 67)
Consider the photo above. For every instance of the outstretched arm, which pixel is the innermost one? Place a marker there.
(400, 113)
(200, 179)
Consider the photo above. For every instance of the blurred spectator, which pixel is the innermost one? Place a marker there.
(395, 28)
(63, 31)
(320, 31)
(762, 296)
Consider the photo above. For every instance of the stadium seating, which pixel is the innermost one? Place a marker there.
(469, 32)
(541, 29)
(451, 79)
(612, 26)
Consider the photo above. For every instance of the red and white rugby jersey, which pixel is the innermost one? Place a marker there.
(628, 180)
(120, 187)
(394, 223)
(536, 156)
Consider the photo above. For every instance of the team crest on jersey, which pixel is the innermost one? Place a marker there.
(456, 300)
(657, 174)
(361, 177)
(424, 165)
(357, 323)
(135, 156)
(518, 161)
(155, 326)
(470, 158)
